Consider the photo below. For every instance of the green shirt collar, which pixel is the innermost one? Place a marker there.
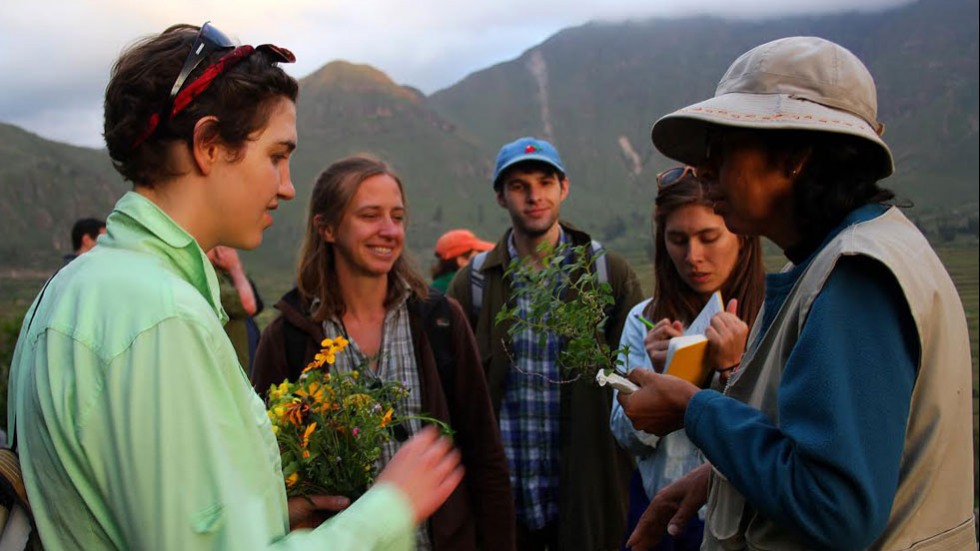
(138, 223)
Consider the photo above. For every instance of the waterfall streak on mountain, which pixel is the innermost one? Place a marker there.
(539, 70)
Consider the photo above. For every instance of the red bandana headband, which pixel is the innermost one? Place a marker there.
(199, 85)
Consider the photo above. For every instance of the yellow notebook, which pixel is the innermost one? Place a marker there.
(685, 354)
(685, 358)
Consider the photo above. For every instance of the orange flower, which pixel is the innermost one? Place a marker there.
(294, 412)
(306, 434)
(387, 418)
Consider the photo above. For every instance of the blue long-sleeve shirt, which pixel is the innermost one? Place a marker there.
(830, 468)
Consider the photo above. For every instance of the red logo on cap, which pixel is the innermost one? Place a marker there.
(530, 149)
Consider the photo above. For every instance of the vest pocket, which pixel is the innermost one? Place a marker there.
(961, 538)
(726, 507)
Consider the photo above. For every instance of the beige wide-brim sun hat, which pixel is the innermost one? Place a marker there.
(798, 83)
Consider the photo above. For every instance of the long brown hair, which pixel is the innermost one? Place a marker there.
(672, 297)
(317, 270)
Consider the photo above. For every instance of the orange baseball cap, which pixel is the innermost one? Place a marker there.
(454, 243)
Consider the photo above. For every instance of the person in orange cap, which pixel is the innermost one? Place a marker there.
(453, 250)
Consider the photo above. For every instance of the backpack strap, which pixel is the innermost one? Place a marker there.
(296, 343)
(436, 318)
(601, 264)
(12, 429)
(476, 286)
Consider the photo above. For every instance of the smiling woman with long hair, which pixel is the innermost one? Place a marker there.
(354, 279)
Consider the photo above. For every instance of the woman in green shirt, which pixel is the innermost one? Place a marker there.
(135, 426)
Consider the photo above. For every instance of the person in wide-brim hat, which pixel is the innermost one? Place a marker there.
(842, 425)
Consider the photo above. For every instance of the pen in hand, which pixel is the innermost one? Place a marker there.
(645, 321)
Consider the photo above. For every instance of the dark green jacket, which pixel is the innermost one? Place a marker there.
(594, 469)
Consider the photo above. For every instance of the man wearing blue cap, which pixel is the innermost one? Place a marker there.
(568, 475)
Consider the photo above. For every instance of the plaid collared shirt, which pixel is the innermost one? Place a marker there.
(529, 414)
(396, 363)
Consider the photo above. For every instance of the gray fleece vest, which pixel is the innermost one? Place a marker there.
(933, 506)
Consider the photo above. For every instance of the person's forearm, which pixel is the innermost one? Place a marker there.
(244, 288)
(831, 464)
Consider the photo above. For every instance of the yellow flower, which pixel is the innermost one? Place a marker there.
(314, 391)
(311, 366)
(358, 400)
(276, 392)
(306, 454)
(327, 343)
(292, 479)
(341, 343)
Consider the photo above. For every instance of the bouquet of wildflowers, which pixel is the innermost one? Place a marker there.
(331, 426)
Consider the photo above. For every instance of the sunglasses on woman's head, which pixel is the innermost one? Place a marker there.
(208, 40)
(671, 176)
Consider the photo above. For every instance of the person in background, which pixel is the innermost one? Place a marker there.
(355, 281)
(453, 250)
(843, 427)
(133, 422)
(84, 234)
(569, 477)
(241, 301)
(695, 255)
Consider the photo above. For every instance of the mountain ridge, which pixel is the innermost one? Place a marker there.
(594, 89)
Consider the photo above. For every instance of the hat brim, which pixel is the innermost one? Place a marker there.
(477, 245)
(524, 159)
(682, 135)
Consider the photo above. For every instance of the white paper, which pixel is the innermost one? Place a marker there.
(703, 321)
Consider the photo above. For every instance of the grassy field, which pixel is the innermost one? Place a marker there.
(18, 290)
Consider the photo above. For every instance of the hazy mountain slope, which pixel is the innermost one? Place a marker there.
(45, 187)
(596, 90)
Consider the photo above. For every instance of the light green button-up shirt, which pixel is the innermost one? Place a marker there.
(136, 427)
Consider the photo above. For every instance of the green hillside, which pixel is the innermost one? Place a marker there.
(45, 187)
(345, 109)
(595, 91)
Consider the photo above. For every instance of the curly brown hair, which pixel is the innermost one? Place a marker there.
(241, 99)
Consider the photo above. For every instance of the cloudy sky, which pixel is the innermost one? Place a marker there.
(55, 55)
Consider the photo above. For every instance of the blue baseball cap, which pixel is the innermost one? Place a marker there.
(526, 149)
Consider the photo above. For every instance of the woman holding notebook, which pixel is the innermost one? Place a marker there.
(695, 256)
